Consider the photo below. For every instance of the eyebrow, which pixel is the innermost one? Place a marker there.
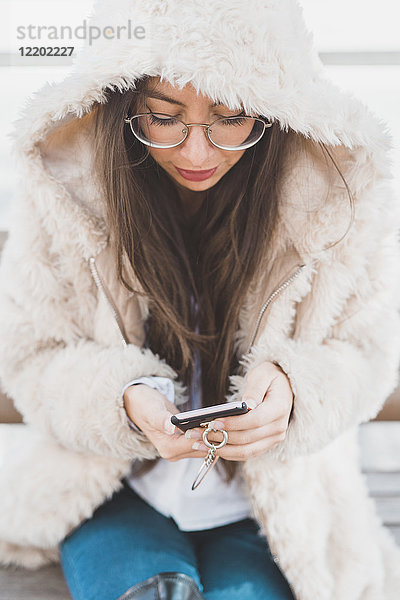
(161, 96)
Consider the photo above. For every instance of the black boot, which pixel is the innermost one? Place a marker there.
(164, 586)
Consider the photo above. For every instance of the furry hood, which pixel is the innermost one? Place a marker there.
(259, 55)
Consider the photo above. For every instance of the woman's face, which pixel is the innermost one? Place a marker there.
(196, 153)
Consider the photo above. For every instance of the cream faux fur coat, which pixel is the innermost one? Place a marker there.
(71, 336)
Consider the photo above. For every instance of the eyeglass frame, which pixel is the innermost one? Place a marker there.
(128, 119)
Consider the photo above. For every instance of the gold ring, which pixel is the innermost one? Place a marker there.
(210, 444)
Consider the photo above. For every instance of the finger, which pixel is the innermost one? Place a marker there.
(152, 409)
(202, 453)
(249, 436)
(241, 453)
(161, 425)
(258, 381)
(276, 405)
(177, 446)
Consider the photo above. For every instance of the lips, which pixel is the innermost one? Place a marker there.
(199, 171)
(196, 175)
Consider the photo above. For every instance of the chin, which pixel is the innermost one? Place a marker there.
(199, 186)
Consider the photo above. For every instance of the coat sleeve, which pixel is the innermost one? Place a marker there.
(344, 378)
(64, 382)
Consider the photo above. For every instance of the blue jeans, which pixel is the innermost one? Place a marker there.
(127, 541)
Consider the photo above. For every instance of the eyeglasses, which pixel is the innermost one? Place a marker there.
(160, 130)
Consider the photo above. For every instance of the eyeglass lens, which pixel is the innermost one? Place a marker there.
(166, 131)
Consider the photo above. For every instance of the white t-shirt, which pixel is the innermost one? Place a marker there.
(167, 486)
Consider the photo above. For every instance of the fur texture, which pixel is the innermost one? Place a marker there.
(335, 329)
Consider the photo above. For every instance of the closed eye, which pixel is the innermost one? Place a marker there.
(169, 121)
(233, 121)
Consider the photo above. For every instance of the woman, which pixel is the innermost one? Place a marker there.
(132, 290)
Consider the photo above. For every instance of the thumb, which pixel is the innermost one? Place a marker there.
(259, 382)
(169, 410)
(254, 393)
(151, 409)
(168, 426)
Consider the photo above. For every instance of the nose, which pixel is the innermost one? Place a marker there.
(197, 149)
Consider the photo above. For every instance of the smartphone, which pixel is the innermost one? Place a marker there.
(194, 418)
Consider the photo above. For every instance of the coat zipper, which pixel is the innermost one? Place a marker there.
(100, 285)
(110, 303)
(270, 299)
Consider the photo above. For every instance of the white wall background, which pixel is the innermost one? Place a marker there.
(345, 26)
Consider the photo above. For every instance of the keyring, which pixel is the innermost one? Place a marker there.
(210, 444)
(211, 457)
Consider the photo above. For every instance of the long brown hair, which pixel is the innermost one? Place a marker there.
(214, 261)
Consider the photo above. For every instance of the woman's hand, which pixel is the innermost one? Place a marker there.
(269, 395)
(151, 412)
